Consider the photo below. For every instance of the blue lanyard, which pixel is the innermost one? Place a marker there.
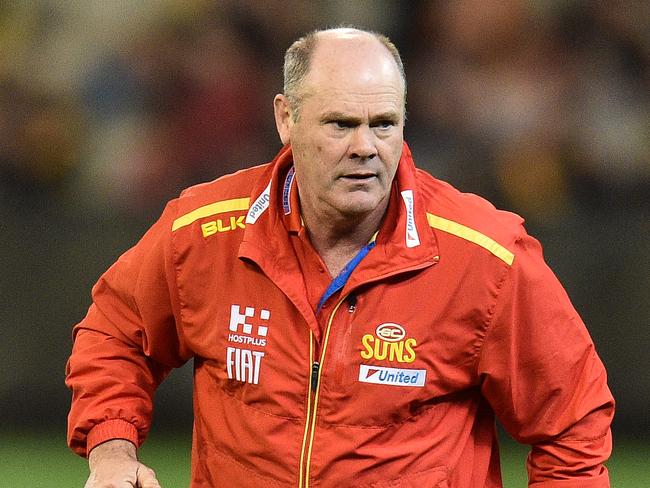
(342, 278)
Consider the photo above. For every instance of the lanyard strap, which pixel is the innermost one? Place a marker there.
(342, 278)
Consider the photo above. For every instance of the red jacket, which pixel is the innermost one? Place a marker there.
(451, 318)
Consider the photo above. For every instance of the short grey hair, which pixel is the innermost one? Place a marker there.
(297, 60)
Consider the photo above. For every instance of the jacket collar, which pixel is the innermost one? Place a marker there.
(405, 240)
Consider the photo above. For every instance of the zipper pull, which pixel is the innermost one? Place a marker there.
(314, 375)
(352, 303)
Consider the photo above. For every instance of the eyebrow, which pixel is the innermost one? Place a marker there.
(335, 115)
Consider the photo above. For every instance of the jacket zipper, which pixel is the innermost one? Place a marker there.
(343, 341)
(315, 367)
(309, 404)
(312, 400)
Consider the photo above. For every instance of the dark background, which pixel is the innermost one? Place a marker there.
(108, 109)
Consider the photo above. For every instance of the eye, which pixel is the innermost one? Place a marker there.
(383, 124)
(341, 124)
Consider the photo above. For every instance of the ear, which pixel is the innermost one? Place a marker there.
(283, 120)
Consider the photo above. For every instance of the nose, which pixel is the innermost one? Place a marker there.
(362, 143)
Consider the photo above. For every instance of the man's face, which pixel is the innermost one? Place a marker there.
(348, 138)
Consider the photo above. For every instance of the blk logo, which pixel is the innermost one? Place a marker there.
(215, 226)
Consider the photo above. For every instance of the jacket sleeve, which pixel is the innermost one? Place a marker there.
(126, 345)
(543, 378)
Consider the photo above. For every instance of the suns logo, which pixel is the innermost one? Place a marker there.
(389, 342)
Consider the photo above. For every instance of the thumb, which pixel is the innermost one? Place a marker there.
(146, 478)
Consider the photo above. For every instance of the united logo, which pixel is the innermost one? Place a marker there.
(392, 376)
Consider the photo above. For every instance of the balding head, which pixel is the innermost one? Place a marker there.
(331, 45)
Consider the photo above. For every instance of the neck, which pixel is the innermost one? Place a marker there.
(337, 239)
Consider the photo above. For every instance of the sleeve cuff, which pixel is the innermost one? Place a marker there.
(601, 481)
(111, 429)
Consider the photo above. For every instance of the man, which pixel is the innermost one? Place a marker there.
(353, 321)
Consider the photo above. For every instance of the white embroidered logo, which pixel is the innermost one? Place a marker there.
(244, 364)
(392, 376)
(259, 205)
(286, 191)
(238, 319)
(412, 237)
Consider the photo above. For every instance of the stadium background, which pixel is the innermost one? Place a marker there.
(109, 108)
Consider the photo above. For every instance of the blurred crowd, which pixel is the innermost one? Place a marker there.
(538, 105)
(542, 105)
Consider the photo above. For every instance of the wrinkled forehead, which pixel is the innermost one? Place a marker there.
(384, 102)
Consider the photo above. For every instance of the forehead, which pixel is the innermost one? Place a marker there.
(354, 69)
(350, 102)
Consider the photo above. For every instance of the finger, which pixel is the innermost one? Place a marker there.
(90, 481)
(93, 483)
(146, 478)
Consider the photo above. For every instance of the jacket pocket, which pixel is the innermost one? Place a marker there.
(430, 478)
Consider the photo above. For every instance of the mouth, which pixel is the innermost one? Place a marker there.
(359, 177)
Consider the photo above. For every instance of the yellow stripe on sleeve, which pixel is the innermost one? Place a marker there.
(211, 209)
(471, 235)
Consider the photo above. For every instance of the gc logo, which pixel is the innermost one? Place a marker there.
(390, 332)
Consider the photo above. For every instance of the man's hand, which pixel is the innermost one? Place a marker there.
(114, 464)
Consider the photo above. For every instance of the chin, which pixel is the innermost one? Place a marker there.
(358, 208)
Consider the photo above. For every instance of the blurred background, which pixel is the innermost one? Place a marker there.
(109, 108)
